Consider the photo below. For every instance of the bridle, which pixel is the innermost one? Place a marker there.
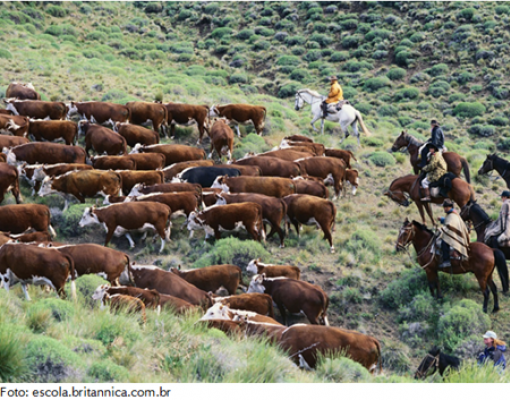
(298, 94)
(435, 364)
(408, 240)
(405, 202)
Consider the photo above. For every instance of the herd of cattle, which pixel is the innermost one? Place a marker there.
(145, 189)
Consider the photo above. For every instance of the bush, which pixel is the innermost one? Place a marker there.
(364, 108)
(402, 58)
(355, 65)
(438, 89)
(396, 74)
(238, 78)
(402, 290)
(300, 74)
(261, 45)
(295, 40)
(365, 239)
(12, 354)
(436, 70)
(387, 110)
(322, 39)
(245, 34)
(85, 287)
(374, 84)
(218, 33)
(467, 13)
(499, 121)
(485, 131)
(339, 56)
(184, 14)
(97, 35)
(181, 47)
(67, 222)
(60, 310)
(288, 90)
(379, 34)
(351, 42)
(341, 369)
(107, 371)
(57, 11)
(410, 93)
(288, 60)
(349, 24)
(469, 110)
(313, 55)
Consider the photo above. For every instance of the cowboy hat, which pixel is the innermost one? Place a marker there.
(447, 203)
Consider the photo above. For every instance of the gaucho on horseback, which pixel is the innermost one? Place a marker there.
(454, 234)
(335, 95)
(436, 138)
(435, 169)
(497, 234)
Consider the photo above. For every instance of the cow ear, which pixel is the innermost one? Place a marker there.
(258, 259)
(179, 267)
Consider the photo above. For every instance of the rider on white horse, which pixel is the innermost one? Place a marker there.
(336, 94)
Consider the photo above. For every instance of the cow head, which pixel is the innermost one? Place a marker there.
(176, 271)
(252, 266)
(217, 311)
(136, 190)
(83, 127)
(257, 284)
(194, 222)
(219, 183)
(46, 188)
(72, 109)
(100, 292)
(89, 217)
(220, 200)
(11, 157)
(214, 112)
(137, 149)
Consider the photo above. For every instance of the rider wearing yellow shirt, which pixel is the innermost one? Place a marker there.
(335, 95)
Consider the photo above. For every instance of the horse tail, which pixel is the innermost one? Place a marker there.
(465, 168)
(362, 124)
(500, 261)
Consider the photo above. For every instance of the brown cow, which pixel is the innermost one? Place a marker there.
(187, 114)
(37, 265)
(173, 170)
(101, 139)
(9, 181)
(6, 112)
(16, 125)
(222, 139)
(271, 166)
(345, 155)
(222, 312)
(37, 109)
(175, 304)
(54, 130)
(213, 277)
(295, 296)
(174, 153)
(134, 162)
(143, 112)
(149, 161)
(141, 189)
(121, 302)
(99, 112)
(241, 114)
(229, 217)
(22, 91)
(325, 167)
(131, 178)
(135, 134)
(305, 343)
(113, 162)
(274, 209)
(311, 210)
(151, 277)
(3, 158)
(209, 196)
(6, 142)
(20, 217)
(276, 187)
(30, 237)
(230, 328)
(124, 217)
(312, 187)
(315, 148)
(351, 176)
(181, 202)
(273, 270)
(298, 138)
(82, 184)
(46, 153)
(245, 170)
(150, 298)
(287, 154)
(35, 174)
(256, 302)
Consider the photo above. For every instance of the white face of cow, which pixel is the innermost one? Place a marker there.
(217, 311)
(136, 190)
(11, 157)
(252, 267)
(220, 200)
(46, 188)
(213, 112)
(73, 109)
(256, 285)
(81, 126)
(89, 218)
(194, 222)
(218, 184)
(100, 292)
(136, 149)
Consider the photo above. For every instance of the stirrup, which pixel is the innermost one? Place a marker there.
(445, 264)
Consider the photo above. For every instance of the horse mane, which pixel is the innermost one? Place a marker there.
(412, 140)
(481, 212)
(423, 228)
(310, 91)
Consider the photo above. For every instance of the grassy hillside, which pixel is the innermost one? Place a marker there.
(401, 64)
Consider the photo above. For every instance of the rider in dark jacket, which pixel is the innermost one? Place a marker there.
(437, 139)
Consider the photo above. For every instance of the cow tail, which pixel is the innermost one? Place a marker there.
(119, 177)
(324, 310)
(128, 271)
(265, 112)
(73, 277)
(379, 355)
(333, 210)
(352, 155)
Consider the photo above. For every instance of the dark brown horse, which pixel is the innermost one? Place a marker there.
(436, 360)
(401, 189)
(494, 162)
(481, 260)
(455, 162)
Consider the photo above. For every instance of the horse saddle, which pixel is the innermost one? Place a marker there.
(340, 104)
(454, 254)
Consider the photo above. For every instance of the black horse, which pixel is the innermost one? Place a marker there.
(436, 360)
(494, 162)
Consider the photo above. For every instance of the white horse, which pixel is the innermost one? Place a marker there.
(348, 115)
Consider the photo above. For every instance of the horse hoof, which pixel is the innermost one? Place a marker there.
(495, 310)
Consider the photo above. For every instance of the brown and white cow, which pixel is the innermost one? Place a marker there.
(296, 297)
(228, 218)
(245, 170)
(273, 270)
(313, 187)
(315, 148)
(324, 168)
(259, 303)
(121, 302)
(274, 209)
(6, 142)
(311, 210)
(220, 311)
(187, 114)
(30, 237)
(345, 155)
(151, 277)
(35, 174)
(101, 139)
(22, 91)
(222, 139)
(241, 114)
(298, 138)
(286, 154)
(173, 170)
(82, 184)
(99, 112)
(95, 259)
(141, 189)
(180, 202)
(132, 178)
(36, 265)
(151, 298)
(119, 219)
(45, 153)
(149, 161)
(142, 113)
(113, 162)
(54, 130)
(16, 125)
(352, 176)
(276, 187)
(9, 181)
(271, 166)
(37, 109)
(18, 218)
(134, 162)
(135, 134)
(174, 153)
(213, 277)
(175, 304)
(305, 343)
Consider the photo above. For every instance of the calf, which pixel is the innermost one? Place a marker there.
(179, 203)
(173, 170)
(113, 162)
(345, 155)
(135, 134)
(227, 218)
(37, 109)
(141, 189)
(82, 184)
(187, 114)
(286, 154)
(273, 270)
(305, 343)
(142, 112)
(325, 167)
(294, 296)
(351, 176)
(150, 298)
(274, 209)
(36, 265)
(121, 302)
(241, 114)
(16, 125)
(131, 178)
(276, 187)
(311, 210)
(45, 153)
(205, 176)
(222, 139)
(21, 217)
(9, 181)
(121, 218)
(213, 277)
(54, 130)
(22, 91)
(256, 302)
(271, 166)
(101, 139)
(311, 187)
(173, 153)
(222, 312)
(99, 112)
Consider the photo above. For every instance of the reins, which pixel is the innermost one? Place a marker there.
(435, 364)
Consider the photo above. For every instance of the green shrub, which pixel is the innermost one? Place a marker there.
(67, 222)
(218, 33)
(404, 288)
(349, 92)
(300, 74)
(181, 47)
(438, 69)
(295, 40)
(374, 84)
(351, 42)
(211, 8)
(238, 78)
(456, 97)
(417, 37)
(12, 354)
(438, 88)
(469, 110)
(395, 356)
(467, 13)
(322, 39)
(499, 121)
(288, 90)
(395, 74)
(349, 24)
(341, 369)
(387, 110)
(85, 287)
(409, 93)
(365, 239)
(97, 35)
(379, 34)
(480, 130)
(364, 108)
(57, 11)
(500, 10)
(107, 371)
(155, 55)
(476, 88)
(5, 54)
(339, 56)
(261, 45)
(403, 58)
(245, 34)
(354, 65)
(184, 14)
(420, 308)
(60, 310)
(288, 60)
(313, 55)
(195, 70)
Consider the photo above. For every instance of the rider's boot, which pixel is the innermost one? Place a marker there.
(426, 195)
(446, 256)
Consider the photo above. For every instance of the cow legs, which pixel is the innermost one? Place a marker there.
(52, 231)
(327, 235)
(131, 242)
(252, 230)
(283, 313)
(238, 131)
(109, 235)
(24, 287)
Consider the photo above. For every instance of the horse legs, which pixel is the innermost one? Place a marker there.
(314, 120)
(355, 131)
(322, 126)
(422, 214)
(433, 280)
(429, 212)
(494, 291)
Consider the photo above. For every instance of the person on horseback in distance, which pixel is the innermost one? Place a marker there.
(335, 95)
(436, 138)
(497, 233)
(435, 170)
(453, 234)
